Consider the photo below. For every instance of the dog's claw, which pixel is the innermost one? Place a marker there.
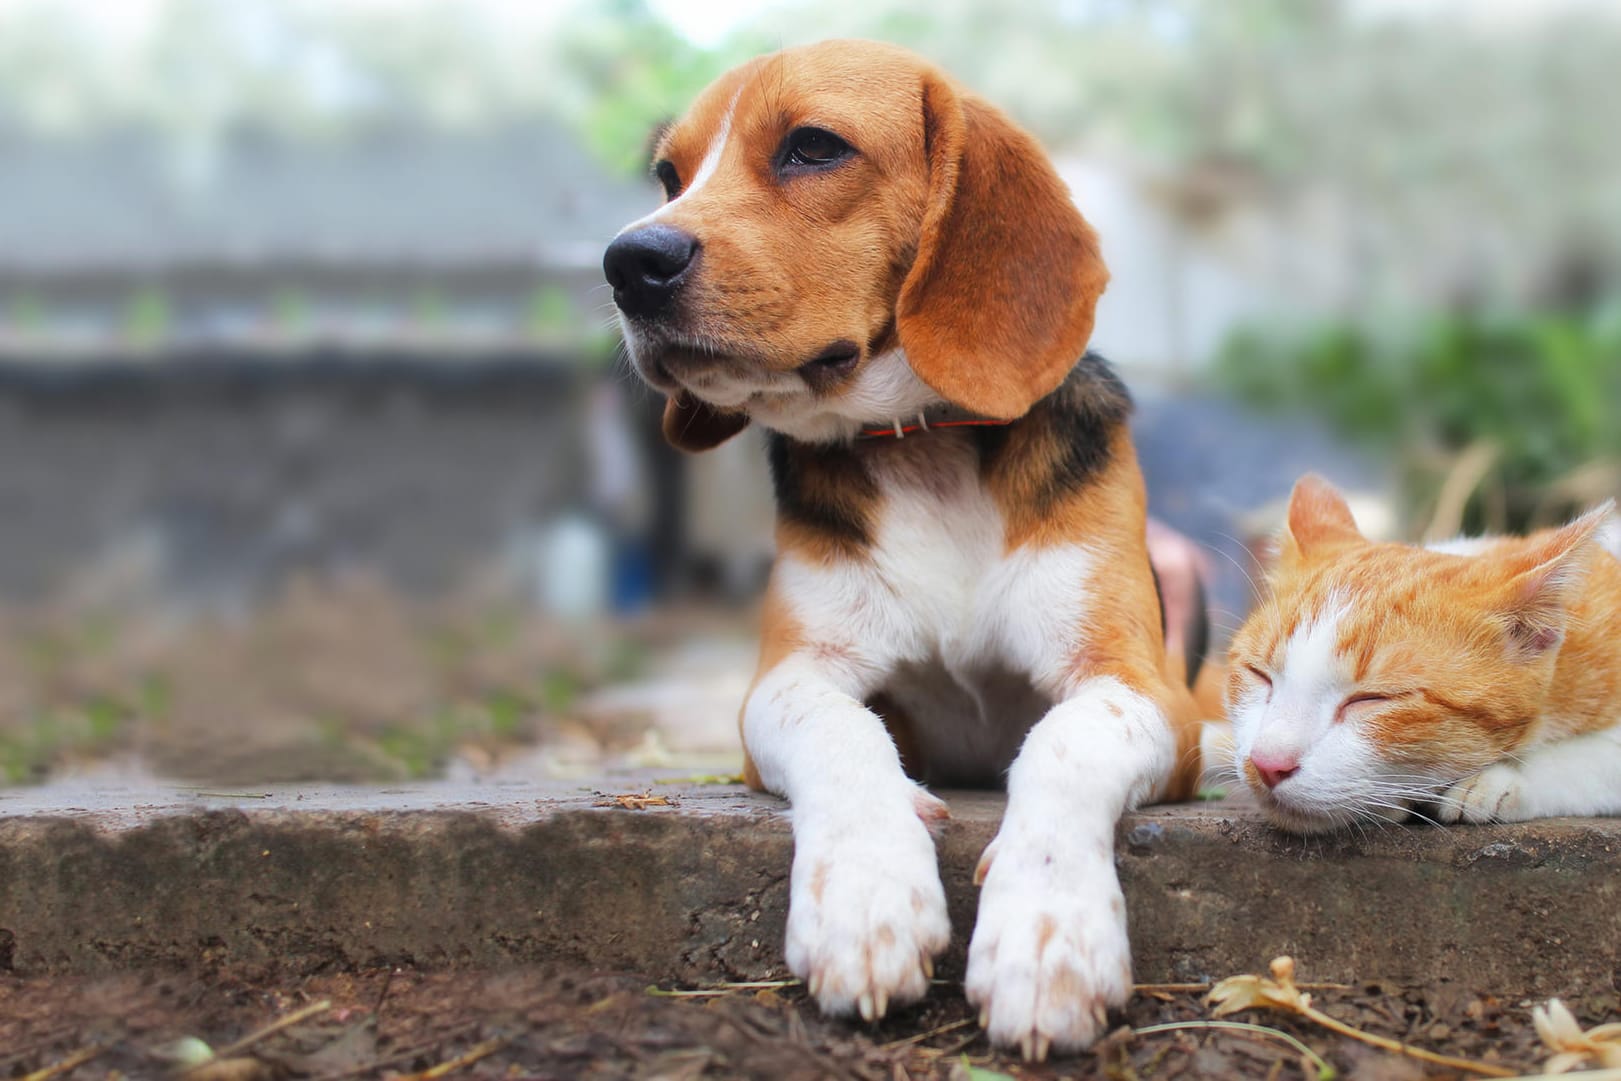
(1034, 1046)
(866, 1006)
(928, 967)
(983, 867)
(929, 807)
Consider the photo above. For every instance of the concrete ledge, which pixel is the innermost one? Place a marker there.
(314, 878)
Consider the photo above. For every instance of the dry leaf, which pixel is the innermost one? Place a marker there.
(1573, 1048)
(1280, 993)
(1246, 992)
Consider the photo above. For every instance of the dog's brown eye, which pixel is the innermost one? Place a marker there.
(813, 148)
(667, 176)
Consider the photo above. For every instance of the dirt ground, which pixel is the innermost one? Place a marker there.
(570, 1023)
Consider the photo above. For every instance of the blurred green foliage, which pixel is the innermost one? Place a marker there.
(1541, 390)
(25, 312)
(49, 736)
(291, 311)
(626, 72)
(147, 317)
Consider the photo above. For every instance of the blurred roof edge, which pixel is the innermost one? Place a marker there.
(523, 195)
(331, 356)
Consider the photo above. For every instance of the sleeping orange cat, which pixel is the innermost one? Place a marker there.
(1476, 680)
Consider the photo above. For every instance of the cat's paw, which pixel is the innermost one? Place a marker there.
(1049, 953)
(866, 914)
(1495, 794)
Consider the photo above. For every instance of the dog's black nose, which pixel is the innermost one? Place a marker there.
(645, 265)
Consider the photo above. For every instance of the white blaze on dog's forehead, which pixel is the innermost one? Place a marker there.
(706, 167)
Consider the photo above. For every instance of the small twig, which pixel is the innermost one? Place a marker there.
(230, 795)
(895, 1045)
(722, 988)
(73, 1061)
(1323, 1068)
(271, 1029)
(631, 801)
(1484, 1068)
(482, 1051)
(17, 1054)
(947, 1052)
(382, 996)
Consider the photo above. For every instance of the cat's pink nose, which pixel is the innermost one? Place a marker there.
(1274, 768)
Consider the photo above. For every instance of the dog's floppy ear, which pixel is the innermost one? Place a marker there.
(691, 425)
(998, 304)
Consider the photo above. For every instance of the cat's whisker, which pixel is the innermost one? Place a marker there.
(1405, 808)
(1416, 798)
(1379, 821)
(1417, 788)
(1377, 799)
(1416, 795)
(1229, 558)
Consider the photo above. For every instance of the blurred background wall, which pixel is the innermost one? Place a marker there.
(299, 294)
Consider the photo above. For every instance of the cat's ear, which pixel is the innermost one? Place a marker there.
(1546, 577)
(1319, 518)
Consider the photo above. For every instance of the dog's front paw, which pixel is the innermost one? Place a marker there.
(866, 915)
(1049, 954)
(1495, 794)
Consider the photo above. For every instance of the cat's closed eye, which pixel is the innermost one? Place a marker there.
(1260, 677)
(1364, 702)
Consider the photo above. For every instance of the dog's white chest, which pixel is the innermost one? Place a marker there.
(940, 618)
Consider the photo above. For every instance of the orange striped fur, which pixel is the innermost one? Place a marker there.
(1445, 664)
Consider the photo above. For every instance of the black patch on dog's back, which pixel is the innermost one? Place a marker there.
(1063, 442)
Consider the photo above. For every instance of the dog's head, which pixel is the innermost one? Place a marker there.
(849, 237)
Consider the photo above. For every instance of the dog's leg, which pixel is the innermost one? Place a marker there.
(866, 911)
(1049, 952)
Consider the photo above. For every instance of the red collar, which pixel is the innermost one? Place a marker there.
(952, 418)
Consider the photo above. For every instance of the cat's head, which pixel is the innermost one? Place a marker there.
(1375, 674)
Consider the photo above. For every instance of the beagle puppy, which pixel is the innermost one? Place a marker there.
(886, 273)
